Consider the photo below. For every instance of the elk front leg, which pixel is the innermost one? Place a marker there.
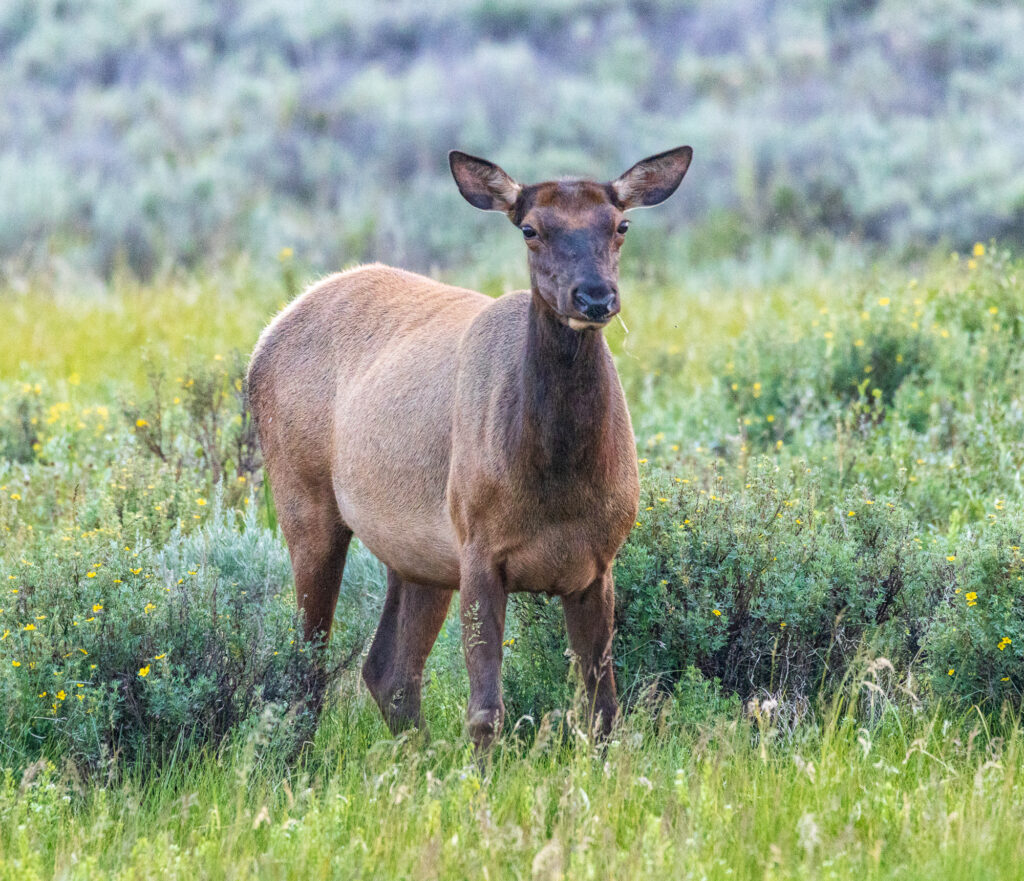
(589, 619)
(482, 602)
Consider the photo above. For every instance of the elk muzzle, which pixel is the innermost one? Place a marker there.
(594, 301)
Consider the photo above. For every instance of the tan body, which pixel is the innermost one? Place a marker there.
(407, 485)
(471, 444)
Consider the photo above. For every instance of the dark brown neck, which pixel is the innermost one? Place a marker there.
(566, 397)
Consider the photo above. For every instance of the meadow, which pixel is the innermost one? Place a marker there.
(820, 611)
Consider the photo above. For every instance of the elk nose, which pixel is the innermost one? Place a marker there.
(595, 299)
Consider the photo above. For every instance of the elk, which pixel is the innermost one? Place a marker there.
(472, 444)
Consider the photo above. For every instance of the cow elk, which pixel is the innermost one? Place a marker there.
(472, 444)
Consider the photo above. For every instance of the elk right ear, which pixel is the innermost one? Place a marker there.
(482, 183)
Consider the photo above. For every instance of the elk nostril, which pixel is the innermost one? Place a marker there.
(599, 296)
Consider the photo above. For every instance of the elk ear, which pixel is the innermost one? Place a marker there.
(652, 180)
(483, 184)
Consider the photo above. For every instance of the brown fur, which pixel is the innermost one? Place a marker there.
(472, 444)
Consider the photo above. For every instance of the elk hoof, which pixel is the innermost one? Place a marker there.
(484, 726)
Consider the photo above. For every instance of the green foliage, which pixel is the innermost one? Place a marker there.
(146, 610)
(126, 650)
(535, 669)
(884, 530)
(147, 127)
(758, 588)
(892, 419)
(902, 349)
(817, 535)
(973, 633)
(210, 430)
(693, 788)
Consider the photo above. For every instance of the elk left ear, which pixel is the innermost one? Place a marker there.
(483, 184)
(652, 180)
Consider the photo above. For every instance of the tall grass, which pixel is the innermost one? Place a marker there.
(682, 792)
(819, 611)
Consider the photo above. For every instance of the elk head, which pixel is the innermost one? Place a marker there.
(573, 228)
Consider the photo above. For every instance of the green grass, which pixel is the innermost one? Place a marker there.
(831, 474)
(676, 796)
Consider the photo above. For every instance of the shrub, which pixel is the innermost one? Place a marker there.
(146, 608)
(973, 635)
(851, 534)
(343, 113)
(893, 416)
(764, 591)
(126, 650)
(210, 428)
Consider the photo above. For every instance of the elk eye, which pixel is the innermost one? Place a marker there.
(623, 227)
(528, 231)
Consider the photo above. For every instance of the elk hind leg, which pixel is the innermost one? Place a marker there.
(318, 543)
(393, 672)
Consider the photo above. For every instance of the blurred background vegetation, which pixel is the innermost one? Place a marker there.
(159, 134)
(820, 609)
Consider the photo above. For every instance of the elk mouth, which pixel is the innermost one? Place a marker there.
(582, 322)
